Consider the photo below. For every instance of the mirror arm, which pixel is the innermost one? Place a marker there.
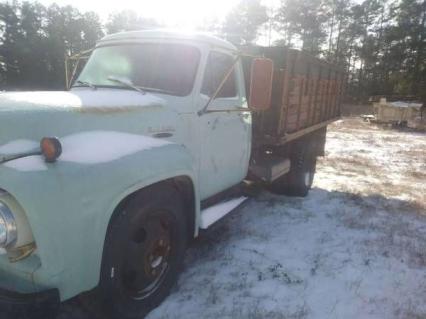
(222, 83)
(84, 55)
(67, 86)
(74, 71)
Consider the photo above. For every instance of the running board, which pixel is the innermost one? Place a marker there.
(213, 213)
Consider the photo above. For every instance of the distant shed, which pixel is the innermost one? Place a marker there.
(398, 112)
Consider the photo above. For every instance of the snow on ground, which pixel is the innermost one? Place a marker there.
(354, 248)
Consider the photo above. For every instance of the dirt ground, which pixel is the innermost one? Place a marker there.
(354, 248)
(349, 110)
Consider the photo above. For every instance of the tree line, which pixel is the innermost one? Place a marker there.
(380, 43)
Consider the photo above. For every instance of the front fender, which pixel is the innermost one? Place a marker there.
(69, 206)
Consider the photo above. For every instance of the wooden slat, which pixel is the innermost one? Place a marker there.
(312, 96)
(273, 140)
(286, 93)
(306, 93)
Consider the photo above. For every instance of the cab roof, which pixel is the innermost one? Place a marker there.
(166, 34)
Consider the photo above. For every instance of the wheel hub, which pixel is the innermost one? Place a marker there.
(156, 258)
(308, 178)
(147, 256)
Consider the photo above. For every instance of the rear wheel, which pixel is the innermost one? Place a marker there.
(299, 180)
(143, 253)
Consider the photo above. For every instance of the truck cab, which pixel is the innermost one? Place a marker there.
(102, 186)
(184, 71)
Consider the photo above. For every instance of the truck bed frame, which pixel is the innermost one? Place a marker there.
(306, 95)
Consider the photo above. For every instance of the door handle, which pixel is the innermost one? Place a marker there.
(162, 135)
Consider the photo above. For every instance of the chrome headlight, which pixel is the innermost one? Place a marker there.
(8, 231)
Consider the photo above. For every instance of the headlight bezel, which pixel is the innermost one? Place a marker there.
(11, 230)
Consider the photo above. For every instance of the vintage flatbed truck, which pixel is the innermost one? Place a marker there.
(103, 185)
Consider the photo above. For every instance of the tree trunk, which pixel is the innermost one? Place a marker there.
(416, 85)
(337, 52)
(330, 39)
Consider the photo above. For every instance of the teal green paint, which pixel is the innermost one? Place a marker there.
(69, 204)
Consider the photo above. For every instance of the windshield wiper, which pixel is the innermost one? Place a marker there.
(85, 83)
(157, 90)
(127, 83)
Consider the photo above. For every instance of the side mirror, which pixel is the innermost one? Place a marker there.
(262, 70)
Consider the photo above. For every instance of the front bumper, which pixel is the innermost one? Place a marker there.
(43, 304)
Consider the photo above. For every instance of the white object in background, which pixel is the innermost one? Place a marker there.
(405, 104)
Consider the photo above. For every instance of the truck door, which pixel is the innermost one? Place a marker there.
(225, 137)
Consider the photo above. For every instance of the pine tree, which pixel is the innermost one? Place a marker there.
(129, 21)
(242, 24)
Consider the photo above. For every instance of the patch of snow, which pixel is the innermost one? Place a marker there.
(93, 147)
(216, 212)
(104, 146)
(18, 146)
(28, 164)
(405, 104)
(83, 98)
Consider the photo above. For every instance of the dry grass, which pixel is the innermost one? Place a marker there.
(419, 175)
(356, 163)
(392, 162)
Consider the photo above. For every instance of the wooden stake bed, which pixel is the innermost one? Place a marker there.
(306, 95)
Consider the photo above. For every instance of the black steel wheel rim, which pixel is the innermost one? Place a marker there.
(147, 255)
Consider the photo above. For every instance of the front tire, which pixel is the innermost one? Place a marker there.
(143, 253)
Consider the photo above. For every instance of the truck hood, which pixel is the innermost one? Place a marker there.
(78, 99)
(86, 121)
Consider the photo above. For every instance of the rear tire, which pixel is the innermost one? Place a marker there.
(299, 180)
(143, 254)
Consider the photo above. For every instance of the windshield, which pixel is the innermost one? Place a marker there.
(166, 68)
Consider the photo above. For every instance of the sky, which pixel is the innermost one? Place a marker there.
(183, 13)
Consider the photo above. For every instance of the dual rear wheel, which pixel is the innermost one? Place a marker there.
(299, 180)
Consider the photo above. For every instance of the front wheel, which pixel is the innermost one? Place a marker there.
(143, 253)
